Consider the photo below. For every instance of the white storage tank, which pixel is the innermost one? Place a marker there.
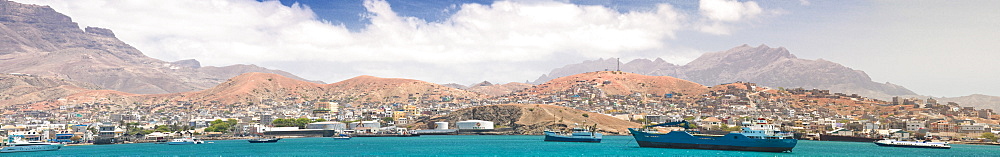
(441, 125)
(474, 124)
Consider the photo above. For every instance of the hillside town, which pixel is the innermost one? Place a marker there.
(809, 112)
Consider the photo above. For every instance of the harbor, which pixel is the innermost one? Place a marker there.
(477, 145)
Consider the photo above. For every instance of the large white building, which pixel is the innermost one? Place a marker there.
(366, 124)
(474, 124)
(327, 126)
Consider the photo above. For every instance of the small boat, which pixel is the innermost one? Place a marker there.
(578, 135)
(342, 137)
(264, 140)
(30, 146)
(185, 141)
(756, 136)
(912, 144)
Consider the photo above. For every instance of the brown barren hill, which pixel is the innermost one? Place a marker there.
(500, 89)
(621, 83)
(393, 90)
(532, 119)
(250, 88)
(26, 89)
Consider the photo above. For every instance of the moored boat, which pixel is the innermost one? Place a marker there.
(185, 141)
(912, 144)
(21, 146)
(759, 135)
(264, 140)
(578, 135)
(342, 137)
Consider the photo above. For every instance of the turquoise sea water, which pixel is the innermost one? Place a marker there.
(460, 145)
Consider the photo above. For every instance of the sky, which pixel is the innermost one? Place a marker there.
(931, 47)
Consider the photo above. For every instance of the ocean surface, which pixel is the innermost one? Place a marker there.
(471, 145)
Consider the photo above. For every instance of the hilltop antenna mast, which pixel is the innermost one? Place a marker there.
(619, 68)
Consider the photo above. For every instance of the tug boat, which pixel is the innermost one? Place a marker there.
(912, 144)
(759, 135)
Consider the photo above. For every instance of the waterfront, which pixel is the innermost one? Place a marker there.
(471, 145)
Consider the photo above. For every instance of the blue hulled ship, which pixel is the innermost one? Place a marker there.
(758, 135)
(578, 135)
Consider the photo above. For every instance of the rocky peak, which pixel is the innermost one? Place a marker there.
(100, 31)
(484, 83)
(12, 12)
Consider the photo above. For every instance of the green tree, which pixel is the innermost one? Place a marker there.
(301, 122)
(585, 115)
(991, 136)
(388, 119)
(725, 127)
(320, 120)
(221, 126)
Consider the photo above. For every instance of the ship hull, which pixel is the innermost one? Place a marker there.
(712, 147)
(570, 139)
(910, 146)
(732, 141)
(32, 148)
(269, 140)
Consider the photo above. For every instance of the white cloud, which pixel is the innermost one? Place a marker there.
(719, 13)
(804, 2)
(505, 33)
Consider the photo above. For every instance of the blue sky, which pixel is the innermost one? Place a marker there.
(931, 47)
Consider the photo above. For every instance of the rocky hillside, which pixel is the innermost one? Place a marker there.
(38, 40)
(772, 67)
(619, 83)
(266, 87)
(533, 118)
(394, 90)
(978, 101)
(498, 89)
(19, 88)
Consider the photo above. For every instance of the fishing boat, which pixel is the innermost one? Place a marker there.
(30, 146)
(577, 135)
(185, 141)
(912, 144)
(758, 135)
(264, 140)
(342, 137)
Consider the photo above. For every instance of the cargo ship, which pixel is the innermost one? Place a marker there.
(758, 135)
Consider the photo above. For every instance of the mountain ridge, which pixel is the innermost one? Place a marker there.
(773, 67)
(40, 41)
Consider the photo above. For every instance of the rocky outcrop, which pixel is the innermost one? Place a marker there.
(772, 67)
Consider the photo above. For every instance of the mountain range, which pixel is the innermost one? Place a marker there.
(772, 67)
(37, 40)
(253, 87)
(48, 59)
